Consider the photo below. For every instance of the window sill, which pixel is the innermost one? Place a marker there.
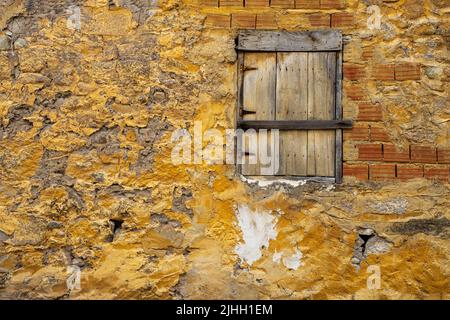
(266, 181)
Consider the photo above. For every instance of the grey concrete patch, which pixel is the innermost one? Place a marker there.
(392, 206)
(436, 227)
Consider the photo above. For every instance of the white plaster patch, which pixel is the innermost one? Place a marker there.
(258, 228)
(277, 257)
(294, 261)
(74, 19)
(389, 206)
(266, 183)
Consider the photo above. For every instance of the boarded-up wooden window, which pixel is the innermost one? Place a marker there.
(292, 81)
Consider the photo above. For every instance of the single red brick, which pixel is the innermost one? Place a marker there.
(332, 4)
(319, 20)
(257, 3)
(393, 154)
(266, 21)
(369, 112)
(360, 171)
(437, 172)
(209, 3)
(379, 134)
(282, 3)
(383, 72)
(218, 20)
(409, 171)
(425, 154)
(355, 92)
(357, 133)
(231, 3)
(307, 4)
(367, 53)
(370, 152)
(382, 171)
(342, 20)
(243, 20)
(443, 155)
(407, 71)
(354, 71)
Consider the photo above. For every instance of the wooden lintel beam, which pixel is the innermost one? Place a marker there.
(295, 124)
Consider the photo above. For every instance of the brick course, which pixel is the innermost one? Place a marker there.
(342, 20)
(218, 20)
(383, 72)
(370, 152)
(437, 172)
(243, 20)
(407, 71)
(393, 154)
(369, 112)
(359, 171)
(409, 171)
(353, 71)
(423, 154)
(257, 3)
(382, 171)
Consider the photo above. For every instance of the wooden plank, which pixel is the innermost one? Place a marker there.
(291, 104)
(259, 83)
(240, 85)
(296, 124)
(321, 106)
(265, 40)
(284, 179)
(240, 102)
(338, 116)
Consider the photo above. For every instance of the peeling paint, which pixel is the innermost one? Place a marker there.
(294, 261)
(277, 257)
(258, 228)
(266, 183)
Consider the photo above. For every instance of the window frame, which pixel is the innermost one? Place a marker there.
(297, 41)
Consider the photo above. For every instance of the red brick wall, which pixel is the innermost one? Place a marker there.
(371, 150)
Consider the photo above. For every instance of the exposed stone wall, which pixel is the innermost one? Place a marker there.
(90, 93)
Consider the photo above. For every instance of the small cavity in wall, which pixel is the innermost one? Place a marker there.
(368, 242)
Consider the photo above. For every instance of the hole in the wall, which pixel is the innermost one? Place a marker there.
(368, 242)
(116, 226)
(365, 238)
(111, 4)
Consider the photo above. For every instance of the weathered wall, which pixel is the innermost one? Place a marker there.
(88, 108)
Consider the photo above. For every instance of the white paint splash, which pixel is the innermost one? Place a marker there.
(292, 262)
(277, 257)
(258, 228)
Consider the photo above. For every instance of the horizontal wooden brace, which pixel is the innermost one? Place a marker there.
(266, 40)
(280, 179)
(295, 124)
